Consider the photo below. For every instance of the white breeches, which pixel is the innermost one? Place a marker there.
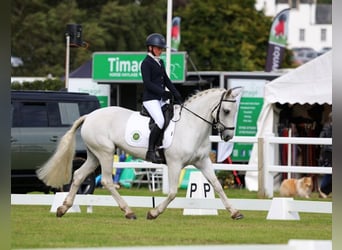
(154, 109)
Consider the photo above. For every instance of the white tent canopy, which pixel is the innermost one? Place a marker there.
(310, 83)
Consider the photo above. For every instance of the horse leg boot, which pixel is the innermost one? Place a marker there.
(151, 154)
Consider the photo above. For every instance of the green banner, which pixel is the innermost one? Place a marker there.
(250, 106)
(249, 110)
(125, 66)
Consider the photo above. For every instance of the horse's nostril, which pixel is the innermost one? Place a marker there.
(226, 138)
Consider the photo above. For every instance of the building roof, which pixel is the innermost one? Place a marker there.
(84, 71)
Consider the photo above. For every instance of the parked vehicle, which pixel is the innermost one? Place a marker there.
(303, 55)
(39, 120)
(323, 50)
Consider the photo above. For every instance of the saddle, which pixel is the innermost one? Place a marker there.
(167, 110)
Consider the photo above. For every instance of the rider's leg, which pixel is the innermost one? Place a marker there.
(151, 152)
(154, 109)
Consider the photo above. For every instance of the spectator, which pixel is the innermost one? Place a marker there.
(326, 159)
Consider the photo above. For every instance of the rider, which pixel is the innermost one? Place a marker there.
(155, 95)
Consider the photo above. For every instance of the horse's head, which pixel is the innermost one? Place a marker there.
(224, 118)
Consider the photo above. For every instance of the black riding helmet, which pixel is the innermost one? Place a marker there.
(156, 40)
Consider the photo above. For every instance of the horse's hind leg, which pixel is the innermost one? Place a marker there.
(106, 161)
(207, 170)
(79, 175)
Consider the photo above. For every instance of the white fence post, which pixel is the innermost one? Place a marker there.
(261, 176)
(268, 158)
(165, 184)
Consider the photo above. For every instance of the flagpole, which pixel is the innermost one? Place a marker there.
(167, 68)
(67, 61)
(168, 36)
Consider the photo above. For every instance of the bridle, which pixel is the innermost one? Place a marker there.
(214, 124)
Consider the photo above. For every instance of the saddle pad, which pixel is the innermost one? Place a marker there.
(137, 131)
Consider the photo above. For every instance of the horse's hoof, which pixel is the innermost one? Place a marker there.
(60, 212)
(150, 216)
(131, 216)
(237, 216)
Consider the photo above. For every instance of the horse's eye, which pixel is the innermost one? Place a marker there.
(226, 111)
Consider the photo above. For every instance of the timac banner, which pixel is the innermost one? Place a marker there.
(125, 66)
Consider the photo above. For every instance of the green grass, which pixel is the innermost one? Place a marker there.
(36, 227)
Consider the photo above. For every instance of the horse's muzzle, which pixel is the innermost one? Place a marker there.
(227, 135)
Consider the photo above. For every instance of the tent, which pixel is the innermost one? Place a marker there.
(309, 83)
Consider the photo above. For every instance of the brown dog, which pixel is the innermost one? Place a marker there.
(296, 187)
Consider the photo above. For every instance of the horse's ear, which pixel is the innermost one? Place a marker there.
(234, 92)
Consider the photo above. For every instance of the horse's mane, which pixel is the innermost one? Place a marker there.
(201, 93)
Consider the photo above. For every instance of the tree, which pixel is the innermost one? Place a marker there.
(38, 35)
(38, 29)
(225, 35)
(219, 35)
(49, 84)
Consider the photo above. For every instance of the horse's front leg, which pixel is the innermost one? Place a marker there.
(173, 174)
(207, 169)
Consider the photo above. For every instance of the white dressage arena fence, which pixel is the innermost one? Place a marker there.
(270, 151)
(278, 208)
(266, 165)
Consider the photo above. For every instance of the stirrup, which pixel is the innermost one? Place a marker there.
(153, 157)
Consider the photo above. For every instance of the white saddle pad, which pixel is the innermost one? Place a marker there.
(137, 131)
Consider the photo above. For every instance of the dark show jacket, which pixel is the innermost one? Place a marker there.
(155, 79)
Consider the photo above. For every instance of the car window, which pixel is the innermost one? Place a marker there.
(311, 55)
(87, 107)
(29, 114)
(69, 112)
(50, 113)
(54, 116)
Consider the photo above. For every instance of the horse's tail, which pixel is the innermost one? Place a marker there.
(57, 170)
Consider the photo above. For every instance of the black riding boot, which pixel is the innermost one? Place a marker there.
(151, 152)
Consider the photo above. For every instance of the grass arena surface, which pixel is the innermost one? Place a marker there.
(36, 227)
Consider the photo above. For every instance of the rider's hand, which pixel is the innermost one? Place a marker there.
(166, 95)
(178, 99)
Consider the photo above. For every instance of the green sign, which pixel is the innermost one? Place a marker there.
(249, 111)
(250, 107)
(125, 66)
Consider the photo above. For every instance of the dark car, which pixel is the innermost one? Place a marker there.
(39, 120)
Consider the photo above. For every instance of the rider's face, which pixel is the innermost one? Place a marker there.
(157, 51)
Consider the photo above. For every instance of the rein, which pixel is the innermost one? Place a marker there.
(217, 119)
(210, 123)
